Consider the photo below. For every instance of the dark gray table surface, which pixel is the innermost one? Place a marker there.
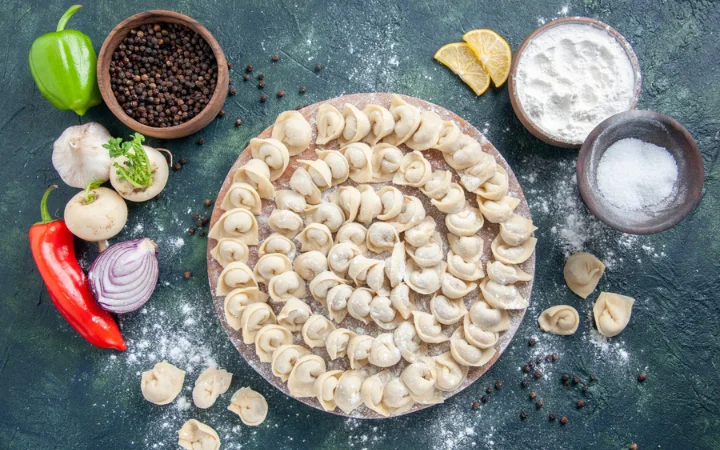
(56, 391)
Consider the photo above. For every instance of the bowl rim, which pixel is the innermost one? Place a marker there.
(591, 198)
(186, 128)
(524, 118)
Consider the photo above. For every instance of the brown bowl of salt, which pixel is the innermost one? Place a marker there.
(640, 172)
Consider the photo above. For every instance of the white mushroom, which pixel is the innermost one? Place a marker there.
(79, 157)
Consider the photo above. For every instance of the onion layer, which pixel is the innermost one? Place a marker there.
(124, 276)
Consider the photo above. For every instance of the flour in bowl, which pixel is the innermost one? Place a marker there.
(573, 76)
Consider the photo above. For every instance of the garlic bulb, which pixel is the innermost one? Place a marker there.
(79, 156)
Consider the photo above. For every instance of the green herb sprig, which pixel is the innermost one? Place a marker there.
(136, 170)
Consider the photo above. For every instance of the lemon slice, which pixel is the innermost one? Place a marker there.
(492, 51)
(460, 58)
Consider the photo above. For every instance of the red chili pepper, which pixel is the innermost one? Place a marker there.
(52, 247)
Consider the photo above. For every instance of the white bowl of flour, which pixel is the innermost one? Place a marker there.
(570, 75)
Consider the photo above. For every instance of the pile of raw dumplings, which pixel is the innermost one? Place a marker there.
(373, 254)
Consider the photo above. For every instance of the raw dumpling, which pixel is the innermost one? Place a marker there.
(358, 350)
(506, 274)
(383, 352)
(372, 392)
(429, 254)
(466, 222)
(408, 342)
(423, 280)
(324, 388)
(315, 330)
(273, 153)
(328, 214)
(516, 230)
(212, 383)
(255, 316)
(383, 313)
(357, 125)
(496, 187)
(271, 265)
(337, 342)
(419, 377)
(395, 265)
(347, 392)
(285, 358)
(414, 170)
(478, 337)
(322, 283)
(294, 314)
(560, 319)
(293, 130)
(449, 375)
(465, 270)
(303, 375)
(449, 139)
(497, 211)
(396, 397)
(162, 384)
(311, 264)
(359, 267)
(411, 214)
(359, 157)
(251, 406)
(466, 354)
(348, 199)
(238, 223)
(455, 288)
(291, 200)
(242, 195)
(468, 152)
(370, 204)
(582, 273)
(421, 233)
(453, 201)
(230, 250)
(469, 248)
(407, 120)
(340, 255)
(336, 301)
(302, 183)
(381, 237)
(196, 435)
(428, 133)
(285, 286)
(382, 123)
(403, 300)
(315, 236)
(612, 313)
(386, 160)
(339, 167)
(319, 172)
(257, 174)
(330, 123)
(501, 296)
(487, 318)
(269, 338)
(438, 185)
(277, 243)
(512, 255)
(353, 233)
(236, 302)
(376, 279)
(428, 328)
(359, 304)
(235, 275)
(392, 202)
(285, 222)
(474, 177)
(447, 311)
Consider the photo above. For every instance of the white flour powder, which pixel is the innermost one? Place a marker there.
(572, 77)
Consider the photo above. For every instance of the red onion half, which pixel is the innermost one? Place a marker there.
(124, 276)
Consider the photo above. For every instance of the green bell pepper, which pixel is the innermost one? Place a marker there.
(63, 64)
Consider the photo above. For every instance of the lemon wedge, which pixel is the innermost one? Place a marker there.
(492, 51)
(460, 58)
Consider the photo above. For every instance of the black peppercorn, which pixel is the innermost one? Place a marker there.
(232, 91)
(280, 93)
(202, 233)
(633, 446)
(187, 275)
(221, 113)
(642, 377)
(564, 420)
(475, 405)
(276, 57)
(263, 98)
(246, 77)
(229, 65)
(177, 166)
(484, 399)
(261, 76)
(204, 220)
(182, 161)
(302, 89)
(489, 389)
(555, 356)
(526, 368)
(249, 68)
(537, 374)
(539, 404)
(548, 358)
(238, 122)
(207, 202)
(261, 84)
(318, 68)
(533, 395)
(191, 230)
(593, 378)
(532, 342)
(499, 384)
(565, 378)
(576, 380)
(524, 382)
(200, 141)
(523, 415)
(195, 216)
(585, 388)
(552, 416)
(199, 223)
(580, 404)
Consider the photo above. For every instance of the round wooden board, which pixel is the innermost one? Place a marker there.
(488, 232)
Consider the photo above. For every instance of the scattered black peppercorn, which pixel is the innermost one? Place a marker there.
(555, 356)
(318, 68)
(200, 141)
(564, 420)
(531, 364)
(261, 76)
(576, 380)
(177, 166)
(565, 378)
(195, 216)
(475, 405)
(524, 382)
(238, 122)
(204, 220)
(484, 399)
(281, 93)
(532, 342)
(539, 404)
(302, 89)
(489, 389)
(249, 68)
(552, 416)
(533, 395)
(263, 98)
(202, 233)
(580, 404)
(523, 415)
(229, 65)
(633, 446)
(548, 358)
(207, 202)
(261, 85)
(246, 77)
(199, 223)
(537, 374)
(593, 378)
(585, 388)
(191, 230)
(642, 377)
(499, 384)
(187, 274)
(221, 113)
(182, 161)
(526, 368)
(232, 91)
(276, 57)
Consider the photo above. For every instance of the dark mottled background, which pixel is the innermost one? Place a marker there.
(56, 391)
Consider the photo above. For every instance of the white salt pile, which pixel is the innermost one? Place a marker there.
(634, 174)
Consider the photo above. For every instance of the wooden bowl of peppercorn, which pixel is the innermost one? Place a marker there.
(162, 74)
